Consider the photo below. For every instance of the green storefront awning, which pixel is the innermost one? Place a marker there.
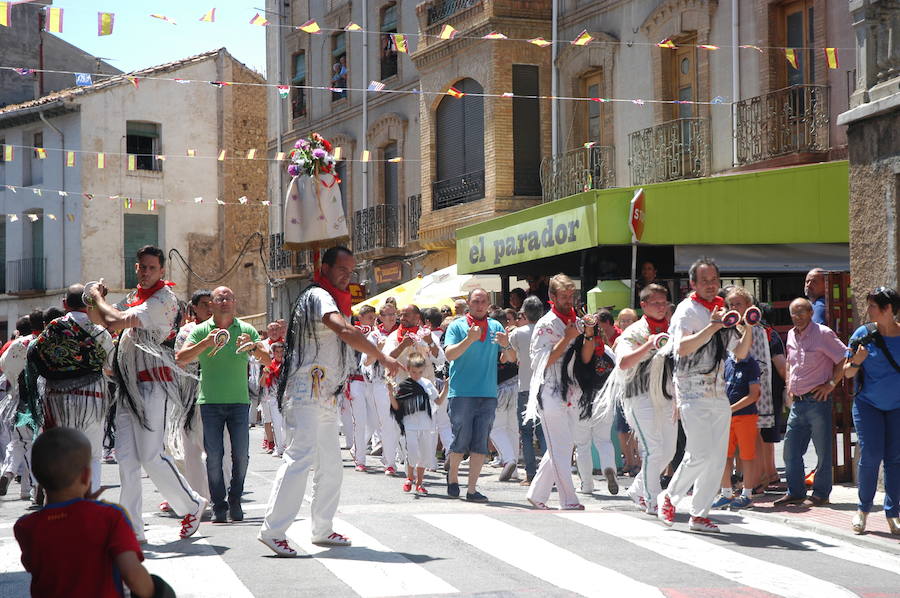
(803, 204)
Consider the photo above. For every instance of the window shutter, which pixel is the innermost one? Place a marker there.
(526, 131)
(450, 138)
(473, 124)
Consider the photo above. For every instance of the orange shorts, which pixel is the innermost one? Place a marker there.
(743, 436)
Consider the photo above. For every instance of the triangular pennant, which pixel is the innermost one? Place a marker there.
(448, 32)
(105, 22)
(310, 27)
(583, 39)
(209, 17)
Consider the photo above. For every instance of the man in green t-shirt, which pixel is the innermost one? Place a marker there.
(224, 397)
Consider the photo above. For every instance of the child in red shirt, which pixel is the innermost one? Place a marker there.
(77, 546)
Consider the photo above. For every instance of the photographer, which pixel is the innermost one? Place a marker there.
(872, 361)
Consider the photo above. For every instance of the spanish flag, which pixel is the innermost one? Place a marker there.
(221, 157)
(831, 58)
(455, 92)
(540, 42)
(151, 205)
(105, 23)
(791, 56)
(70, 159)
(132, 162)
(667, 43)
(41, 153)
(494, 35)
(309, 27)
(209, 17)
(251, 154)
(191, 153)
(54, 20)
(351, 26)
(5, 11)
(447, 32)
(708, 47)
(400, 43)
(259, 20)
(583, 39)
(7, 153)
(101, 160)
(128, 202)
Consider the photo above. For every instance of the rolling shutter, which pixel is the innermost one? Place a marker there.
(526, 114)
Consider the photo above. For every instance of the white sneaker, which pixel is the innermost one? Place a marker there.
(191, 522)
(279, 547)
(334, 539)
(702, 524)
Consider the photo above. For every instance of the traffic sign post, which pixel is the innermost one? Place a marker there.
(636, 218)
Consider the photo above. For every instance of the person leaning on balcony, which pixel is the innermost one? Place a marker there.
(814, 289)
(815, 365)
(873, 361)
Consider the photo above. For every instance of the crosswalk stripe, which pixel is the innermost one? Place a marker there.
(824, 544)
(369, 567)
(702, 554)
(196, 570)
(539, 557)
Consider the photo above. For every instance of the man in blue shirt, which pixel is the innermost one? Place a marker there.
(814, 289)
(471, 346)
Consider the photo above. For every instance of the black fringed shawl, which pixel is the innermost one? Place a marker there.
(411, 398)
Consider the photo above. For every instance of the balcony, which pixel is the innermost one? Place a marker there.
(413, 214)
(577, 171)
(285, 262)
(678, 149)
(792, 120)
(457, 190)
(26, 276)
(441, 10)
(378, 227)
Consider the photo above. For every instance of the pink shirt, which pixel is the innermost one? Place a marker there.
(811, 357)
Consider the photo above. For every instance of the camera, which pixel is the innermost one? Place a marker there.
(866, 339)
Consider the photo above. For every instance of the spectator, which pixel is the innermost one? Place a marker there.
(814, 289)
(516, 298)
(18, 450)
(460, 307)
(357, 417)
(520, 341)
(505, 429)
(626, 318)
(873, 360)
(268, 383)
(815, 358)
(386, 427)
(446, 311)
(471, 345)
(608, 325)
(224, 398)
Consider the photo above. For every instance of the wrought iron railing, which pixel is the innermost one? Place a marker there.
(793, 119)
(576, 171)
(27, 274)
(678, 149)
(444, 9)
(413, 215)
(378, 227)
(283, 260)
(457, 190)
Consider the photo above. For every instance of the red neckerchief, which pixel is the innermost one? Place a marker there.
(483, 323)
(272, 376)
(384, 330)
(566, 318)
(401, 331)
(656, 326)
(710, 305)
(342, 298)
(143, 294)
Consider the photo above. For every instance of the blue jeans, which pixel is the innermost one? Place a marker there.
(878, 436)
(528, 431)
(471, 419)
(215, 418)
(809, 420)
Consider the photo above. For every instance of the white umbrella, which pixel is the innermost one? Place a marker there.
(447, 283)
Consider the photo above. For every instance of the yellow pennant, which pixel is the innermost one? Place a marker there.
(105, 23)
(400, 43)
(191, 153)
(831, 58)
(667, 44)
(259, 20)
(365, 156)
(251, 154)
(70, 159)
(5, 11)
(447, 32)
(7, 153)
(221, 157)
(351, 26)
(583, 39)
(54, 19)
(101, 160)
(540, 42)
(209, 17)
(279, 156)
(41, 153)
(132, 162)
(309, 27)
(791, 56)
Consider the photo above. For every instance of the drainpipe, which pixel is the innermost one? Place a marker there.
(554, 82)
(62, 154)
(365, 103)
(278, 217)
(735, 76)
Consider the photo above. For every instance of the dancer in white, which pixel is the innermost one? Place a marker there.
(357, 399)
(16, 414)
(387, 430)
(320, 344)
(700, 345)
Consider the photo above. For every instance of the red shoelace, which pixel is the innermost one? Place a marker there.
(284, 545)
(186, 523)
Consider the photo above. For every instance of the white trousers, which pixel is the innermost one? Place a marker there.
(387, 426)
(363, 416)
(558, 421)
(706, 425)
(420, 447)
(271, 415)
(599, 434)
(138, 447)
(92, 428)
(505, 431)
(193, 466)
(657, 435)
(443, 427)
(18, 458)
(346, 412)
(312, 443)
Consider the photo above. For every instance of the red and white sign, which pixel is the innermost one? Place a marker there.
(637, 215)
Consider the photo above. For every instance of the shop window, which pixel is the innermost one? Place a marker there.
(388, 49)
(799, 35)
(340, 74)
(34, 167)
(526, 113)
(140, 230)
(142, 141)
(391, 175)
(298, 94)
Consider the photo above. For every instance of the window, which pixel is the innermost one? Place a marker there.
(459, 136)
(298, 96)
(140, 230)
(142, 141)
(588, 113)
(526, 114)
(682, 78)
(340, 73)
(391, 175)
(34, 167)
(30, 270)
(799, 35)
(388, 49)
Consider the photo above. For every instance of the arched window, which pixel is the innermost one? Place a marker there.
(459, 137)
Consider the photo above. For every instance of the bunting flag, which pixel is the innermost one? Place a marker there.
(198, 200)
(40, 152)
(24, 72)
(209, 17)
(7, 153)
(365, 156)
(667, 44)
(11, 188)
(37, 191)
(397, 159)
(134, 81)
(63, 194)
(151, 205)
(132, 162)
(583, 39)
(507, 94)
(5, 12)
(191, 153)
(164, 18)
(243, 199)
(375, 86)
(639, 102)
(266, 202)
(161, 157)
(400, 43)
(182, 81)
(128, 203)
(351, 26)
(33, 217)
(310, 27)
(494, 35)
(105, 23)
(70, 159)
(448, 32)
(251, 154)
(101, 160)
(831, 58)
(259, 20)
(751, 47)
(708, 47)
(220, 202)
(70, 217)
(791, 57)
(83, 79)
(539, 42)
(284, 91)
(51, 216)
(221, 84)
(54, 23)
(221, 157)
(13, 218)
(279, 156)
(88, 196)
(338, 152)
(455, 92)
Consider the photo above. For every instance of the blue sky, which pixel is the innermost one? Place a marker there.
(140, 41)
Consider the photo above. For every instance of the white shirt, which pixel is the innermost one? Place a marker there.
(14, 360)
(689, 318)
(520, 340)
(156, 314)
(419, 421)
(547, 332)
(418, 346)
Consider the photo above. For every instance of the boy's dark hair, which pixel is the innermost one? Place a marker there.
(198, 295)
(51, 313)
(36, 317)
(366, 309)
(605, 316)
(152, 250)
(331, 256)
(433, 316)
(702, 261)
(23, 325)
(58, 457)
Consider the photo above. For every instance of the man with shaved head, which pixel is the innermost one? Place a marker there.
(814, 289)
(224, 397)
